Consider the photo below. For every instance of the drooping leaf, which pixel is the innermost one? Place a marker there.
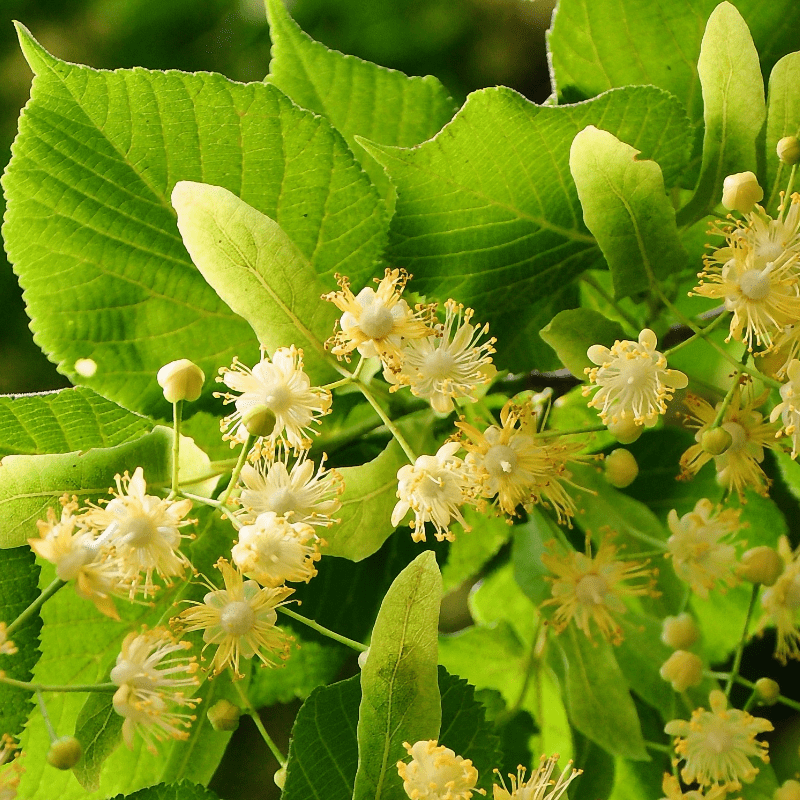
(493, 190)
(783, 118)
(63, 422)
(733, 107)
(99, 730)
(596, 693)
(31, 484)
(598, 771)
(18, 589)
(357, 97)
(626, 207)
(571, 333)
(92, 236)
(257, 270)
(367, 503)
(400, 699)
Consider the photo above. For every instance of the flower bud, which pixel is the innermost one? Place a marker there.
(767, 691)
(224, 716)
(621, 468)
(280, 777)
(715, 441)
(760, 565)
(181, 380)
(679, 632)
(683, 670)
(625, 430)
(259, 421)
(790, 790)
(789, 150)
(64, 753)
(740, 192)
(362, 658)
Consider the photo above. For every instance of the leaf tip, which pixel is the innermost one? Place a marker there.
(37, 57)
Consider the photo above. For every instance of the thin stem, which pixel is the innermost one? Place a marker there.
(45, 687)
(393, 429)
(34, 607)
(49, 725)
(731, 392)
(248, 706)
(750, 701)
(706, 330)
(590, 281)
(722, 676)
(177, 414)
(337, 637)
(214, 504)
(576, 432)
(662, 748)
(337, 384)
(737, 659)
(656, 544)
(237, 470)
(787, 198)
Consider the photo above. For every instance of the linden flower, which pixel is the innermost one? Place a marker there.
(150, 677)
(781, 602)
(434, 487)
(448, 365)
(436, 773)
(738, 467)
(10, 769)
(77, 557)
(699, 555)
(299, 494)
(789, 409)
(633, 380)
(281, 385)
(7, 647)
(672, 789)
(144, 532)
(717, 745)
(587, 588)
(240, 619)
(376, 322)
(516, 467)
(274, 550)
(539, 785)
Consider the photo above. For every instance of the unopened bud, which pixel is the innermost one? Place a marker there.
(362, 658)
(181, 380)
(224, 716)
(790, 790)
(64, 753)
(789, 150)
(740, 192)
(767, 691)
(715, 441)
(259, 421)
(680, 632)
(621, 468)
(683, 670)
(625, 430)
(280, 777)
(760, 565)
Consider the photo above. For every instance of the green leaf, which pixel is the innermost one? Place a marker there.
(18, 589)
(526, 555)
(257, 270)
(494, 190)
(626, 207)
(357, 97)
(92, 235)
(571, 333)
(596, 693)
(400, 699)
(63, 422)
(174, 791)
(323, 750)
(598, 771)
(734, 109)
(783, 117)
(31, 484)
(598, 46)
(367, 502)
(99, 730)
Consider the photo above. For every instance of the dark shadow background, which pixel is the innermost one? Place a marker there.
(467, 44)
